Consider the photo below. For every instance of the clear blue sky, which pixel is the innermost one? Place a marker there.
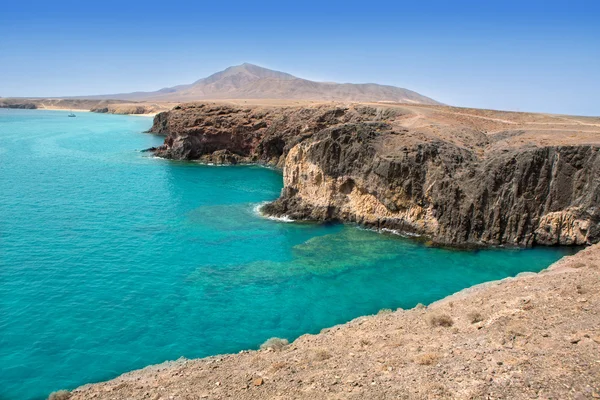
(513, 55)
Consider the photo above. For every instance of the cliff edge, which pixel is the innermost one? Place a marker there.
(462, 177)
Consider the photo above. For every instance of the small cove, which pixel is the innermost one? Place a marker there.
(111, 260)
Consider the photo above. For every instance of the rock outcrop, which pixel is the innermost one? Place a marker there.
(98, 106)
(461, 177)
(126, 108)
(10, 103)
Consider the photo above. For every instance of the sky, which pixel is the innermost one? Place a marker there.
(541, 56)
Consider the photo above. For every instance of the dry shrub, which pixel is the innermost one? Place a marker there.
(475, 317)
(60, 395)
(577, 265)
(278, 365)
(365, 342)
(274, 343)
(527, 307)
(439, 391)
(427, 358)
(322, 355)
(515, 329)
(440, 320)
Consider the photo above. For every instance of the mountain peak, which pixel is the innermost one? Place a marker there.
(252, 71)
(250, 81)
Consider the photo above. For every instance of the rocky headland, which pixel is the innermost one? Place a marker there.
(98, 106)
(460, 177)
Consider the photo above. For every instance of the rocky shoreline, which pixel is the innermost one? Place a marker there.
(458, 176)
(534, 336)
(97, 106)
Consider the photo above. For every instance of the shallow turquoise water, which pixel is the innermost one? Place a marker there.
(111, 260)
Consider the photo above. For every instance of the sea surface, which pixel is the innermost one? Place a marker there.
(111, 260)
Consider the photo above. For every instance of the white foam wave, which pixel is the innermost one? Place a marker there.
(258, 210)
(283, 218)
(400, 233)
(390, 231)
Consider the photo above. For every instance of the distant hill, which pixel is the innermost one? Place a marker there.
(248, 81)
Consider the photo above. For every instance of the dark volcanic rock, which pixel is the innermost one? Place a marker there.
(261, 135)
(25, 106)
(444, 178)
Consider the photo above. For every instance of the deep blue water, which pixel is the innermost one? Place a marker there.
(111, 260)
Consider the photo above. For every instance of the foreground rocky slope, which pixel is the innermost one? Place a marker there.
(459, 176)
(536, 336)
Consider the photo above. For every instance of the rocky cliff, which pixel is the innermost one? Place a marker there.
(459, 176)
(11, 103)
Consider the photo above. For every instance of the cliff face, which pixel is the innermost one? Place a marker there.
(460, 177)
(10, 103)
(230, 134)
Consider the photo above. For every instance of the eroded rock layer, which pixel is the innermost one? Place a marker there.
(458, 176)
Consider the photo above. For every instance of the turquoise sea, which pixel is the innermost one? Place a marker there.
(111, 259)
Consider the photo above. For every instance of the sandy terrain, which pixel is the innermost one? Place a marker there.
(50, 108)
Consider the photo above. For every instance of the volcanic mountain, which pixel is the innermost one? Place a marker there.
(248, 81)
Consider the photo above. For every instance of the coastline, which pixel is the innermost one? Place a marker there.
(80, 110)
(107, 106)
(499, 325)
(62, 109)
(462, 177)
(143, 115)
